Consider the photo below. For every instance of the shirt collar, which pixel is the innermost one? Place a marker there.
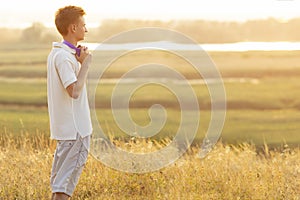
(64, 46)
(72, 47)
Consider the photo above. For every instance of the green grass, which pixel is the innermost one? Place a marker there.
(275, 127)
(23, 92)
(262, 99)
(30, 61)
(29, 55)
(21, 71)
(18, 120)
(267, 93)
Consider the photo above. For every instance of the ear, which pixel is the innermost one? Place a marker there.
(73, 28)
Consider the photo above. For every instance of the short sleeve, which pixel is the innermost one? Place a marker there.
(66, 72)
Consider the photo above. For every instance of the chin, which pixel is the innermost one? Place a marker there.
(79, 39)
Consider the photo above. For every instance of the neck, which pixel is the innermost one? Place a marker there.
(70, 40)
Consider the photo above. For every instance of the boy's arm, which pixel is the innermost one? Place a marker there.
(74, 89)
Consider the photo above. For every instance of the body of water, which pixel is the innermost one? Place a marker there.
(166, 45)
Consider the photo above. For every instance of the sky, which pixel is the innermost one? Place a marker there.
(22, 13)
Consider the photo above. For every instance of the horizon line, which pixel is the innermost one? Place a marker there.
(9, 25)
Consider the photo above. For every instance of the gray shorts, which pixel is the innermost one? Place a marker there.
(69, 159)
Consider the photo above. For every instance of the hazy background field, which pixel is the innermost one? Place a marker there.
(257, 156)
(261, 87)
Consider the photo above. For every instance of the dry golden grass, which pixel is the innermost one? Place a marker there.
(228, 172)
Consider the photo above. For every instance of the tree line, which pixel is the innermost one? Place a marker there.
(202, 31)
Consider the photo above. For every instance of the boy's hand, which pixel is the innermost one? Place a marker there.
(84, 52)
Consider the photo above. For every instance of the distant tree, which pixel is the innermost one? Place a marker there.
(10, 35)
(49, 36)
(38, 33)
(33, 33)
(202, 31)
(293, 29)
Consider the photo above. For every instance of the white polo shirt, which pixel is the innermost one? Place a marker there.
(68, 116)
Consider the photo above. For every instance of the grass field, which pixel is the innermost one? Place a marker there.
(262, 102)
(257, 156)
(228, 172)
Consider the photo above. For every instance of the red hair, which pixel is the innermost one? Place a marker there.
(66, 16)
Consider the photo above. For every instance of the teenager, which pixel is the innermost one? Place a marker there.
(70, 122)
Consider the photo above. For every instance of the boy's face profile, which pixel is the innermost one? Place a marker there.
(79, 29)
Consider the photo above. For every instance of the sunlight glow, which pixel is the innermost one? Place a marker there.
(30, 11)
